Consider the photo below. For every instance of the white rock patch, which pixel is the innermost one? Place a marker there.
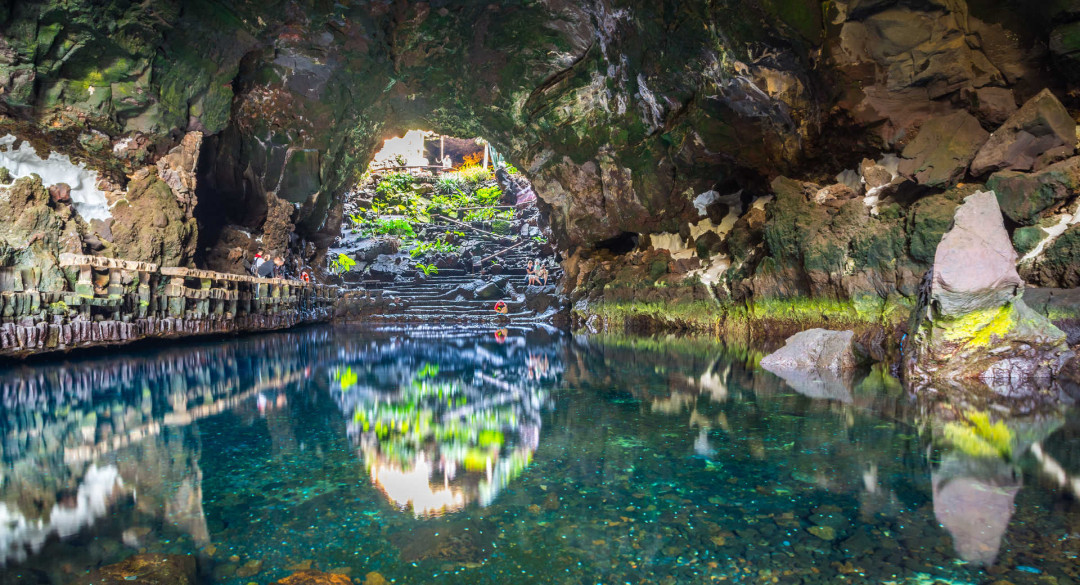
(58, 168)
(1064, 221)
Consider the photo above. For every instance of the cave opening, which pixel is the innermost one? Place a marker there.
(623, 243)
(434, 211)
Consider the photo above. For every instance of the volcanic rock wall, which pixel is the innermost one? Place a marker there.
(665, 123)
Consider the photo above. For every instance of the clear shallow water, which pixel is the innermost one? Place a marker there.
(447, 456)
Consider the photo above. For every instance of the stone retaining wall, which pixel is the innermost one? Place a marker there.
(118, 301)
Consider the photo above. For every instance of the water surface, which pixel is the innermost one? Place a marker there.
(519, 456)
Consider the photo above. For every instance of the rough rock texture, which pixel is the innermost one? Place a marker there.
(312, 577)
(814, 349)
(1041, 126)
(939, 155)
(817, 362)
(148, 569)
(622, 113)
(151, 225)
(1023, 196)
(1059, 264)
(972, 322)
(1060, 306)
(975, 265)
(33, 234)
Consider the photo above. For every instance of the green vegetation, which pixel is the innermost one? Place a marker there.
(395, 184)
(488, 195)
(980, 327)
(383, 226)
(342, 264)
(449, 184)
(428, 269)
(474, 175)
(488, 214)
(436, 246)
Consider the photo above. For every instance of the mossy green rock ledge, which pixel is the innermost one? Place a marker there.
(972, 321)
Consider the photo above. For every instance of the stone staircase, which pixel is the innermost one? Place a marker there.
(466, 295)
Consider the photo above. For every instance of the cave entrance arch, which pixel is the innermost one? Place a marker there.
(431, 204)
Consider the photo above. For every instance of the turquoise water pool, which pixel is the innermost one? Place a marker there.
(519, 456)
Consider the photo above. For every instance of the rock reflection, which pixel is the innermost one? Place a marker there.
(442, 425)
(85, 438)
(978, 475)
(878, 470)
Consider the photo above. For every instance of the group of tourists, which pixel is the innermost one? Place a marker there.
(265, 267)
(537, 272)
(262, 266)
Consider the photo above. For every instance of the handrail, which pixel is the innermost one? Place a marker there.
(68, 260)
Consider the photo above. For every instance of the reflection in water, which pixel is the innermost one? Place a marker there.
(977, 477)
(20, 534)
(451, 456)
(440, 426)
(85, 438)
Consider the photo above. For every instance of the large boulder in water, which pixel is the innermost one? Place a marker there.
(972, 321)
(817, 363)
(1042, 127)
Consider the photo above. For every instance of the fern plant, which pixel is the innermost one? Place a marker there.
(428, 269)
(449, 183)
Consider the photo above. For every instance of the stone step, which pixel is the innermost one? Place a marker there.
(486, 305)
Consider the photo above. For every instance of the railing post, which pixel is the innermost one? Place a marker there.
(175, 292)
(143, 294)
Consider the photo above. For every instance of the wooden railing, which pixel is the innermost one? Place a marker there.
(120, 300)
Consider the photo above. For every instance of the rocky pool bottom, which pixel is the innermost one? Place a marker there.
(520, 456)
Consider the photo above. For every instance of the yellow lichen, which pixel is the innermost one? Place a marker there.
(979, 327)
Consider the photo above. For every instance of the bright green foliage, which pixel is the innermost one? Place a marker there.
(428, 269)
(448, 184)
(428, 371)
(436, 246)
(488, 214)
(488, 195)
(395, 184)
(347, 378)
(474, 175)
(342, 264)
(385, 226)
